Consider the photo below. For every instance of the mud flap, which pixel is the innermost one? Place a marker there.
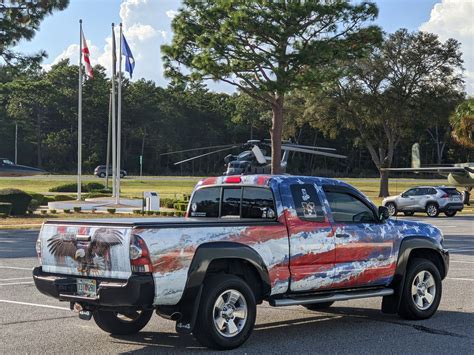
(189, 311)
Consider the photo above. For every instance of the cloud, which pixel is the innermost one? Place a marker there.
(171, 13)
(453, 19)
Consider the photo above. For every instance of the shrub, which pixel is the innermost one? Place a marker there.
(77, 209)
(40, 198)
(157, 213)
(149, 213)
(63, 198)
(67, 210)
(72, 187)
(137, 211)
(98, 194)
(33, 206)
(111, 210)
(44, 211)
(53, 211)
(179, 214)
(5, 209)
(20, 200)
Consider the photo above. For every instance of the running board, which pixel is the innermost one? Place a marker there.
(341, 296)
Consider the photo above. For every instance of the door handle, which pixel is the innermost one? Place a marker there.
(342, 235)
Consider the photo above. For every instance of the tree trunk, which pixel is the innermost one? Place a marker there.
(275, 134)
(383, 192)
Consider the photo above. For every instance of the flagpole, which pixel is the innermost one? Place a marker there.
(114, 132)
(79, 119)
(119, 118)
(107, 159)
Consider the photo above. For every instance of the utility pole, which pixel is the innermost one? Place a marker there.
(16, 143)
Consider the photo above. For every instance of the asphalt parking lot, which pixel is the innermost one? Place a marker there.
(33, 323)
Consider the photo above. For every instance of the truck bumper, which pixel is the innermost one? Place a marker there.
(452, 207)
(136, 291)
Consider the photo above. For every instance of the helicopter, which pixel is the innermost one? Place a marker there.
(254, 159)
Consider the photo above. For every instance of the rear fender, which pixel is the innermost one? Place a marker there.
(188, 306)
(409, 245)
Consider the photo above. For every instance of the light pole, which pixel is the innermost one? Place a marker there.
(16, 143)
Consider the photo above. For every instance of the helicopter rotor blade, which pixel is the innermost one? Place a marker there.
(309, 147)
(258, 154)
(202, 148)
(205, 154)
(316, 152)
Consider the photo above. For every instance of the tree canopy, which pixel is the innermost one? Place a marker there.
(268, 48)
(20, 19)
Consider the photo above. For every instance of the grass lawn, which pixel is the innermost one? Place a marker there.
(168, 187)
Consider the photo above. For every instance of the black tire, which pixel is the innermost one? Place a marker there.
(122, 175)
(432, 210)
(409, 213)
(102, 175)
(318, 306)
(112, 322)
(392, 208)
(408, 307)
(450, 213)
(205, 330)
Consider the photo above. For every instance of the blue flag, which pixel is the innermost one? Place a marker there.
(129, 60)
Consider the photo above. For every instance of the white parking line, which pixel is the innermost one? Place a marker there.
(16, 278)
(462, 249)
(34, 305)
(17, 283)
(16, 268)
(461, 262)
(459, 278)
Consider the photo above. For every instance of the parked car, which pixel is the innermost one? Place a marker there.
(100, 171)
(282, 239)
(429, 199)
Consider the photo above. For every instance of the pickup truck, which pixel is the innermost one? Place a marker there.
(287, 240)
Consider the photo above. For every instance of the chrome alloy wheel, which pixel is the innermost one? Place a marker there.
(431, 210)
(391, 209)
(230, 313)
(423, 290)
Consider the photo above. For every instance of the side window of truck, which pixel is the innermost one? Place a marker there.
(257, 202)
(307, 204)
(346, 208)
(206, 202)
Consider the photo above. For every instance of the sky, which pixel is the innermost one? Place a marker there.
(147, 25)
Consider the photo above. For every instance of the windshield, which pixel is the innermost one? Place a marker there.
(7, 162)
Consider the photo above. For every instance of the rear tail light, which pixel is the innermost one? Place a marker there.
(445, 196)
(38, 249)
(139, 255)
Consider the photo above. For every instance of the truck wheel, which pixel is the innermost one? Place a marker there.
(450, 213)
(226, 314)
(409, 213)
(318, 306)
(422, 290)
(122, 323)
(392, 208)
(102, 175)
(432, 210)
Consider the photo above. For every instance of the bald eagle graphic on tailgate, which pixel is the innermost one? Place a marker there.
(91, 256)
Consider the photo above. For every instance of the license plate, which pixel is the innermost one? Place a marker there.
(457, 199)
(86, 287)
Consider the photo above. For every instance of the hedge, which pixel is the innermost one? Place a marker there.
(89, 187)
(63, 198)
(5, 209)
(18, 198)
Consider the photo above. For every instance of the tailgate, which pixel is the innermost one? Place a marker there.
(92, 251)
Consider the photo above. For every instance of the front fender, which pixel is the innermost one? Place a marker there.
(391, 304)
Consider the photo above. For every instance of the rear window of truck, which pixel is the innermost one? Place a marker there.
(237, 202)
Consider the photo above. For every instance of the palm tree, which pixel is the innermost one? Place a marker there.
(462, 122)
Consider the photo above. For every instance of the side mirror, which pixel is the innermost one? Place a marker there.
(383, 213)
(403, 195)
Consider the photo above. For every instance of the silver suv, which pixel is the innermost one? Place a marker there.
(429, 199)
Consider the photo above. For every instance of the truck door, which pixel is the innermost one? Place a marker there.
(364, 246)
(312, 244)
